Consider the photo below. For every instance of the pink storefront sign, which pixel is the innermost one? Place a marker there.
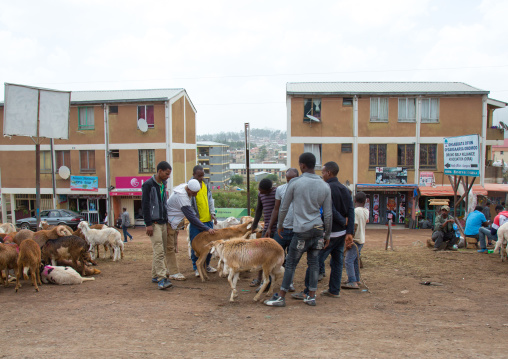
(125, 193)
(131, 182)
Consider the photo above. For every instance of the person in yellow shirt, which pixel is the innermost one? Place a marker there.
(205, 210)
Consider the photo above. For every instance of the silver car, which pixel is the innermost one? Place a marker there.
(53, 217)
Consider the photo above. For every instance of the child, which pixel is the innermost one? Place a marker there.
(361, 219)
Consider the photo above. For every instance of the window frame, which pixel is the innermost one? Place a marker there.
(89, 110)
(140, 161)
(312, 109)
(319, 148)
(429, 101)
(406, 119)
(111, 108)
(347, 101)
(346, 148)
(405, 164)
(378, 164)
(87, 169)
(427, 166)
(150, 125)
(43, 155)
(63, 163)
(378, 117)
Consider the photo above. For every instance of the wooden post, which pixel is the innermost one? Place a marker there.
(389, 236)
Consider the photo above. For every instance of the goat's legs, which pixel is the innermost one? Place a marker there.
(232, 279)
(38, 272)
(91, 250)
(200, 264)
(34, 277)
(266, 280)
(18, 274)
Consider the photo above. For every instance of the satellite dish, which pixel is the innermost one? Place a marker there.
(142, 125)
(503, 125)
(64, 172)
(314, 119)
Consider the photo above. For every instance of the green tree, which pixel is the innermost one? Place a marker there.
(262, 153)
(236, 179)
(273, 177)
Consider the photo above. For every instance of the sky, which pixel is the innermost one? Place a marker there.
(234, 58)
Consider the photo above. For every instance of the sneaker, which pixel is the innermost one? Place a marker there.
(291, 288)
(298, 296)
(310, 300)
(321, 276)
(483, 250)
(351, 285)
(177, 276)
(276, 301)
(125, 241)
(210, 269)
(196, 273)
(154, 280)
(266, 289)
(164, 283)
(327, 293)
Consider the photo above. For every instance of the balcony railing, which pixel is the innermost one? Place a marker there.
(495, 134)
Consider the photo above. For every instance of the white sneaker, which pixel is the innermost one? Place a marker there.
(177, 276)
(210, 269)
(197, 273)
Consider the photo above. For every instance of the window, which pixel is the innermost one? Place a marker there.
(407, 110)
(115, 153)
(45, 161)
(146, 161)
(86, 118)
(312, 107)
(87, 161)
(430, 110)
(146, 113)
(63, 158)
(113, 110)
(377, 156)
(315, 149)
(379, 109)
(347, 101)
(428, 155)
(347, 147)
(406, 156)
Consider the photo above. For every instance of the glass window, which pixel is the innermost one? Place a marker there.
(87, 161)
(347, 147)
(45, 161)
(147, 113)
(86, 118)
(146, 161)
(377, 155)
(430, 110)
(406, 156)
(428, 156)
(379, 109)
(312, 107)
(315, 149)
(407, 110)
(63, 158)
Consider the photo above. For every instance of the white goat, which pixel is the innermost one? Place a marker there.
(502, 238)
(109, 236)
(7, 228)
(228, 222)
(240, 255)
(62, 275)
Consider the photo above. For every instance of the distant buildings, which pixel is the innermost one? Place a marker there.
(278, 169)
(214, 157)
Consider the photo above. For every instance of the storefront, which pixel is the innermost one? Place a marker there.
(127, 194)
(90, 205)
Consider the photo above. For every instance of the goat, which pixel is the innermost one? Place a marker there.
(201, 241)
(29, 258)
(240, 255)
(41, 237)
(8, 227)
(79, 233)
(45, 226)
(88, 270)
(502, 237)
(62, 275)
(69, 247)
(8, 260)
(108, 235)
(22, 235)
(228, 222)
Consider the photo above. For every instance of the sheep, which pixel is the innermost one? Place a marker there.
(502, 237)
(7, 227)
(62, 275)
(240, 255)
(29, 258)
(41, 237)
(228, 222)
(8, 260)
(79, 233)
(69, 247)
(22, 235)
(109, 236)
(200, 242)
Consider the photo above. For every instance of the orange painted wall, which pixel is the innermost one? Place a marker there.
(124, 126)
(191, 162)
(392, 128)
(178, 174)
(190, 123)
(178, 120)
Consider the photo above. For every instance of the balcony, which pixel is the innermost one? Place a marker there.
(493, 174)
(495, 134)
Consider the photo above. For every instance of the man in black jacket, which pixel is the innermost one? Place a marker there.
(342, 231)
(155, 215)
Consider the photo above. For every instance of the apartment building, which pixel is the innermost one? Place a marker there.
(386, 136)
(109, 153)
(214, 157)
(278, 169)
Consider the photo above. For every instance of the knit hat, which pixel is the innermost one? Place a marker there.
(194, 185)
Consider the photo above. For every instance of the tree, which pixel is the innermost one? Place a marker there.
(273, 177)
(262, 153)
(236, 179)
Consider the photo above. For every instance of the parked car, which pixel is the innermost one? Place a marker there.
(53, 217)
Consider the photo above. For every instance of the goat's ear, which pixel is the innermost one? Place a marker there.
(249, 226)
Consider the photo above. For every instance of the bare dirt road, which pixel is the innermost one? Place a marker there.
(122, 314)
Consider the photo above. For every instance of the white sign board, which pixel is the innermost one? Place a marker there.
(23, 104)
(462, 156)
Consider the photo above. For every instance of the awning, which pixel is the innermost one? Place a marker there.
(385, 187)
(496, 187)
(447, 191)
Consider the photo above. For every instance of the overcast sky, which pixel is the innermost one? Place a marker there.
(234, 58)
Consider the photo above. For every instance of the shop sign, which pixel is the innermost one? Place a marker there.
(391, 175)
(127, 193)
(231, 212)
(427, 179)
(462, 156)
(84, 183)
(131, 182)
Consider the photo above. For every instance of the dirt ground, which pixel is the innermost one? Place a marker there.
(122, 314)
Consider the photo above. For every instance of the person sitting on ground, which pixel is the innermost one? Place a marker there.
(178, 207)
(474, 222)
(444, 235)
(353, 254)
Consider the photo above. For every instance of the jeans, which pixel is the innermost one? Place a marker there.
(125, 233)
(485, 232)
(439, 237)
(352, 267)
(310, 242)
(336, 250)
(285, 240)
(193, 232)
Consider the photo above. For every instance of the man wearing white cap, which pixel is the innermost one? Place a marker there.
(179, 206)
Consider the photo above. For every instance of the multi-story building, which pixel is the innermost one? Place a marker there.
(214, 157)
(372, 128)
(108, 153)
(237, 156)
(278, 169)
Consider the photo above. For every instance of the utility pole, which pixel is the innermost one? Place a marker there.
(247, 165)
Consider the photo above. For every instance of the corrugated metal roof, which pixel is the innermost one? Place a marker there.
(382, 88)
(210, 143)
(124, 95)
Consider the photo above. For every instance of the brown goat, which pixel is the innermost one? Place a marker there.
(47, 227)
(22, 235)
(8, 260)
(29, 258)
(201, 241)
(68, 247)
(88, 270)
(41, 237)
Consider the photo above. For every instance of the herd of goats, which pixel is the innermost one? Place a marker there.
(60, 255)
